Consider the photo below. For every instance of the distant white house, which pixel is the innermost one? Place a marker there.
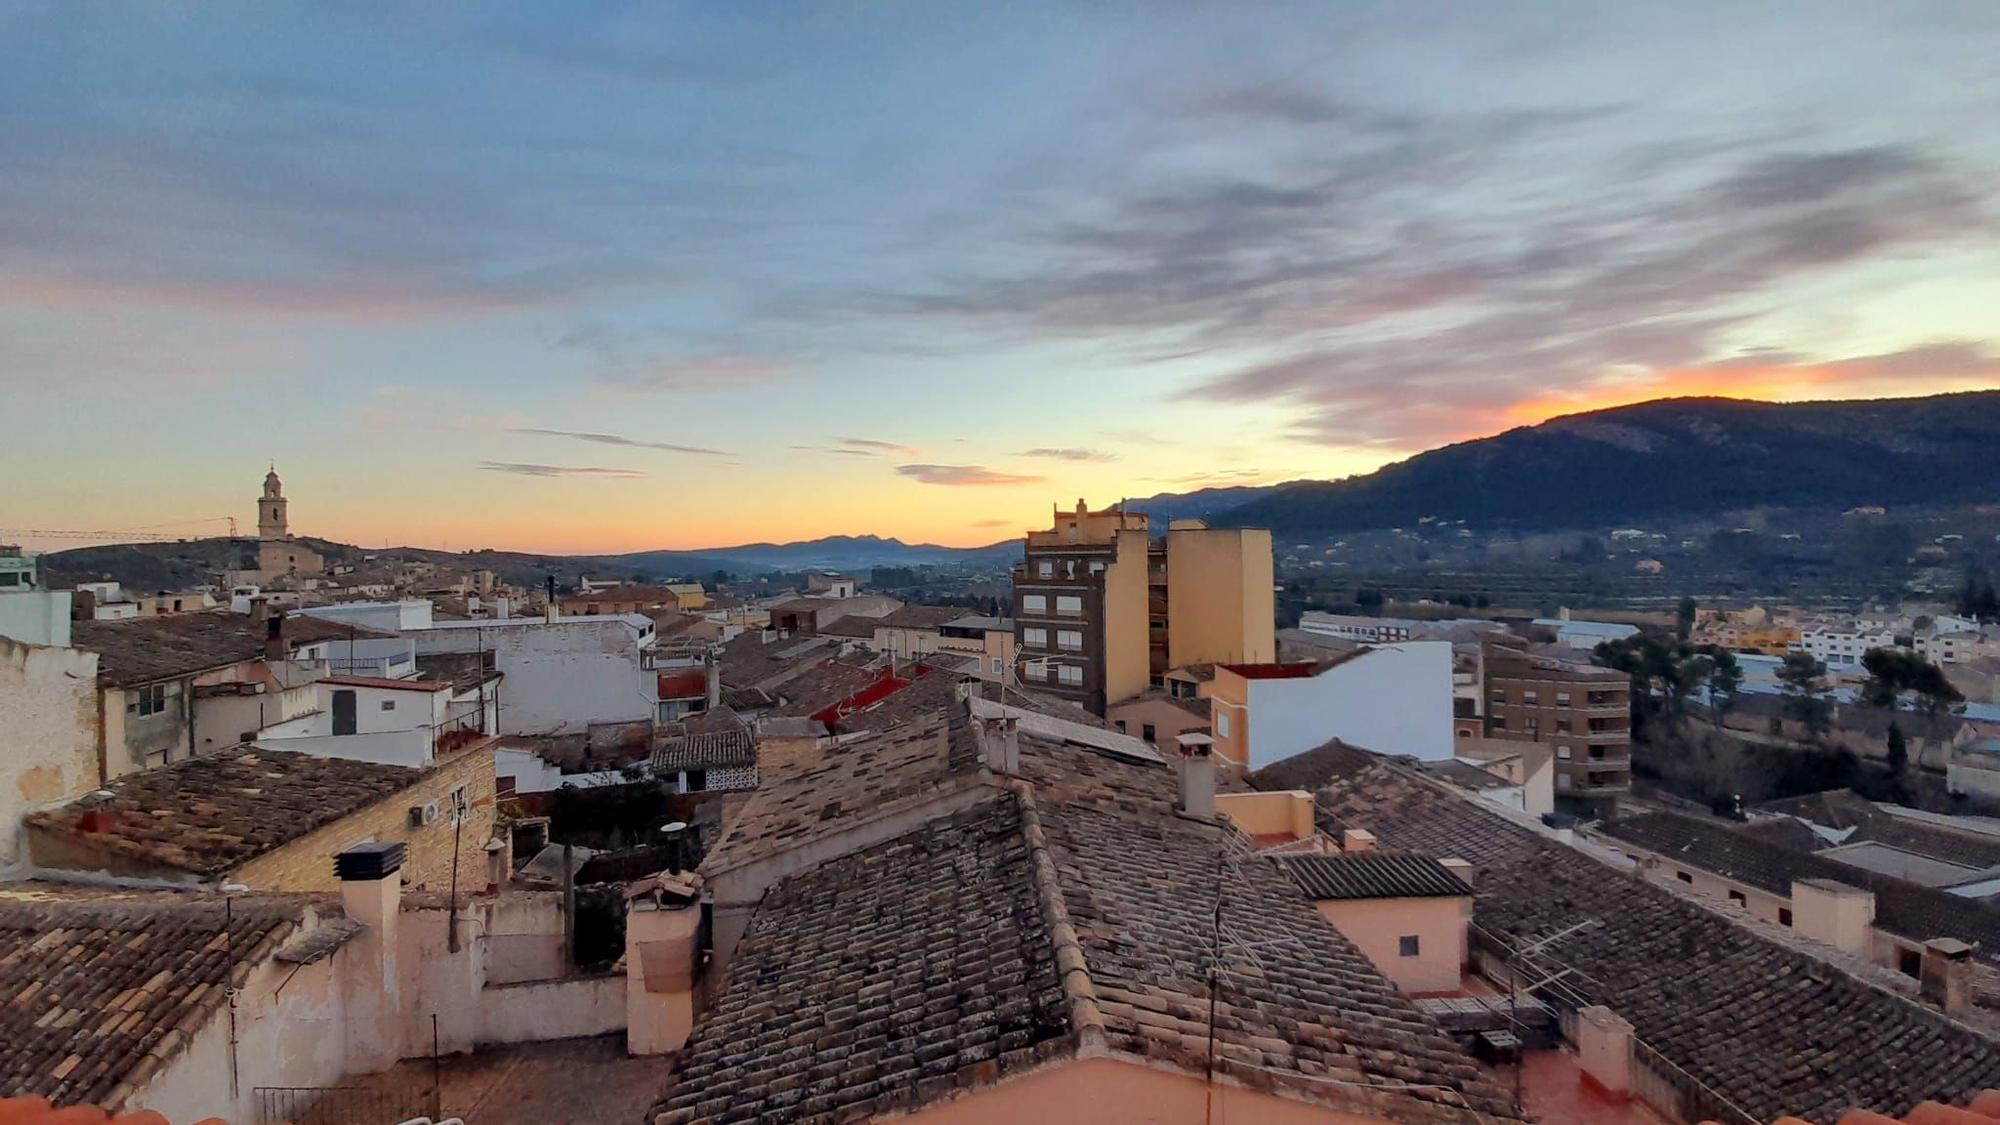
(1579, 634)
(1395, 699)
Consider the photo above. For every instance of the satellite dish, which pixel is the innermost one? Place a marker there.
(676, 826)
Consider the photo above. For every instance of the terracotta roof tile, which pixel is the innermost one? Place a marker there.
(212, 814)
(101, 994)
(155, 648)
(1770, 1028)
(1372, 874)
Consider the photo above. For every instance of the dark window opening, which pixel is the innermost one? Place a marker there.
(1684, 876)
(1408, 945)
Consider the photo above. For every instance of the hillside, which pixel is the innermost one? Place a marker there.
(1668, 458)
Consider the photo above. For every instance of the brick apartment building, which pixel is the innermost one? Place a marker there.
(1582, 711)
(1101, 611)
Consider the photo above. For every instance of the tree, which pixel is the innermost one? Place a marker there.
(1899, 750)
(1725, 683)
(1803, 680)
(1896, 672)
(1684, 619)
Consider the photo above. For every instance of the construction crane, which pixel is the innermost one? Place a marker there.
(140, 534)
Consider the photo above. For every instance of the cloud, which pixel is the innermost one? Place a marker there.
(718, 372)
(870, 445)
(963, 475)
(1068, 454)
(990, 523)
(616, 439)
(524, 469)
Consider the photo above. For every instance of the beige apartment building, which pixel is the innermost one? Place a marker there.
(1582, 711)
(1101, 610)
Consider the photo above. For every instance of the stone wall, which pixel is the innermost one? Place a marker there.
(48, 733)
(306, 864)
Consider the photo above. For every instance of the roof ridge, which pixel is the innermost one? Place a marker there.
(1072, 968)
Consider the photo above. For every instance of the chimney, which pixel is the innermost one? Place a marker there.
(1834, 913)
(502, 607)
(1945, 976)
(1604, 1050)
(274, 639)
(965, 688)
(1197, 774)
(1357, 840)
(664, 937)
(371, 891)
(714, 680)
(1459, 867)
(1000, 744)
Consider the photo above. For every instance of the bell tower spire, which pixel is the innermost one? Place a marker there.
(271, 522)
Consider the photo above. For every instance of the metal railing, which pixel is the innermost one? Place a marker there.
(343, 1105)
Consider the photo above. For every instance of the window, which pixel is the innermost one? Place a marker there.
(1069, 639)
(1533, 724)
(1910, 962)
(1528, 697)
(1147, 732)
(1562, 725)
(1784, 915)
(1562, 699)
(1684, 877)
(1563, 753)
(1120, 724)
(1221, 724)
(388, 705)
(1069, 605)
(461, 801)
(149, 700)
(1034, 603)
(1070, 674)
(1046, 568)
(1035, 638)
(1737, 898)
(999, 666)
(1036, 671)
(1408, 945)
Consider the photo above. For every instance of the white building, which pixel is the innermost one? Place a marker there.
(561, 674)
(383, 617)
(1585, 635)
(1396, 699)
(1841, 649)
(406, 722)
(1369, 630)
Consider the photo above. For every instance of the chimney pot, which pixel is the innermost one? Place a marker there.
(1357, 840)
(1000, 744)
(1197, 774)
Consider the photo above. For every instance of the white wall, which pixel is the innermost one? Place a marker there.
(560, 676)
(385, 617)
(48, 732)
(410, 748)
(533, 775)
(1395, 699)
(36, 617)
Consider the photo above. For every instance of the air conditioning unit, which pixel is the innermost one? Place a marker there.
(424, 814)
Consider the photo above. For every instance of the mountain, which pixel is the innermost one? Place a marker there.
(1667, 458)
(1201, 504)
(834, 552)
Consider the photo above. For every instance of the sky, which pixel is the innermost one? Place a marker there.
(592, 278)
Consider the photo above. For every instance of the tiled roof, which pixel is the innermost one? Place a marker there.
(1844, 809)
(901, 974)
(1372, 874)
(145, 649)
(1770, 1028)
(825, 684)
(1465, 775)
(749, 660)
(705, 750)
(922, 616)
(878, 773)
(860, 628)
(1904, 908)
(212, 814)
(918, 965)
(101, 994)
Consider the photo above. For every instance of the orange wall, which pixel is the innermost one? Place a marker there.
(1127, 664)
(1375, 926)
(1097, 1090)
(1229, 695)
(1220, 602)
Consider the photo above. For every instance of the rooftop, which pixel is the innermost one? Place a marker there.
(103, 992)
(1372, 874)
(212, 814)
(144, 649)
(1901, 907)
(1769, 1028)
(913, 970)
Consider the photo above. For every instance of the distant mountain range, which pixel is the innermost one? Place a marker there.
(1653, 461)
(1665, 459)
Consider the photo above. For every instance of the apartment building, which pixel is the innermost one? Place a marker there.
(1583, 711)
(1101, 610)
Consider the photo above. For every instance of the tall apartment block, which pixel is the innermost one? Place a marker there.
(1583, 711)
(1101, 610)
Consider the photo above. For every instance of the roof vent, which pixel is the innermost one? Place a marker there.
(368, 862)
